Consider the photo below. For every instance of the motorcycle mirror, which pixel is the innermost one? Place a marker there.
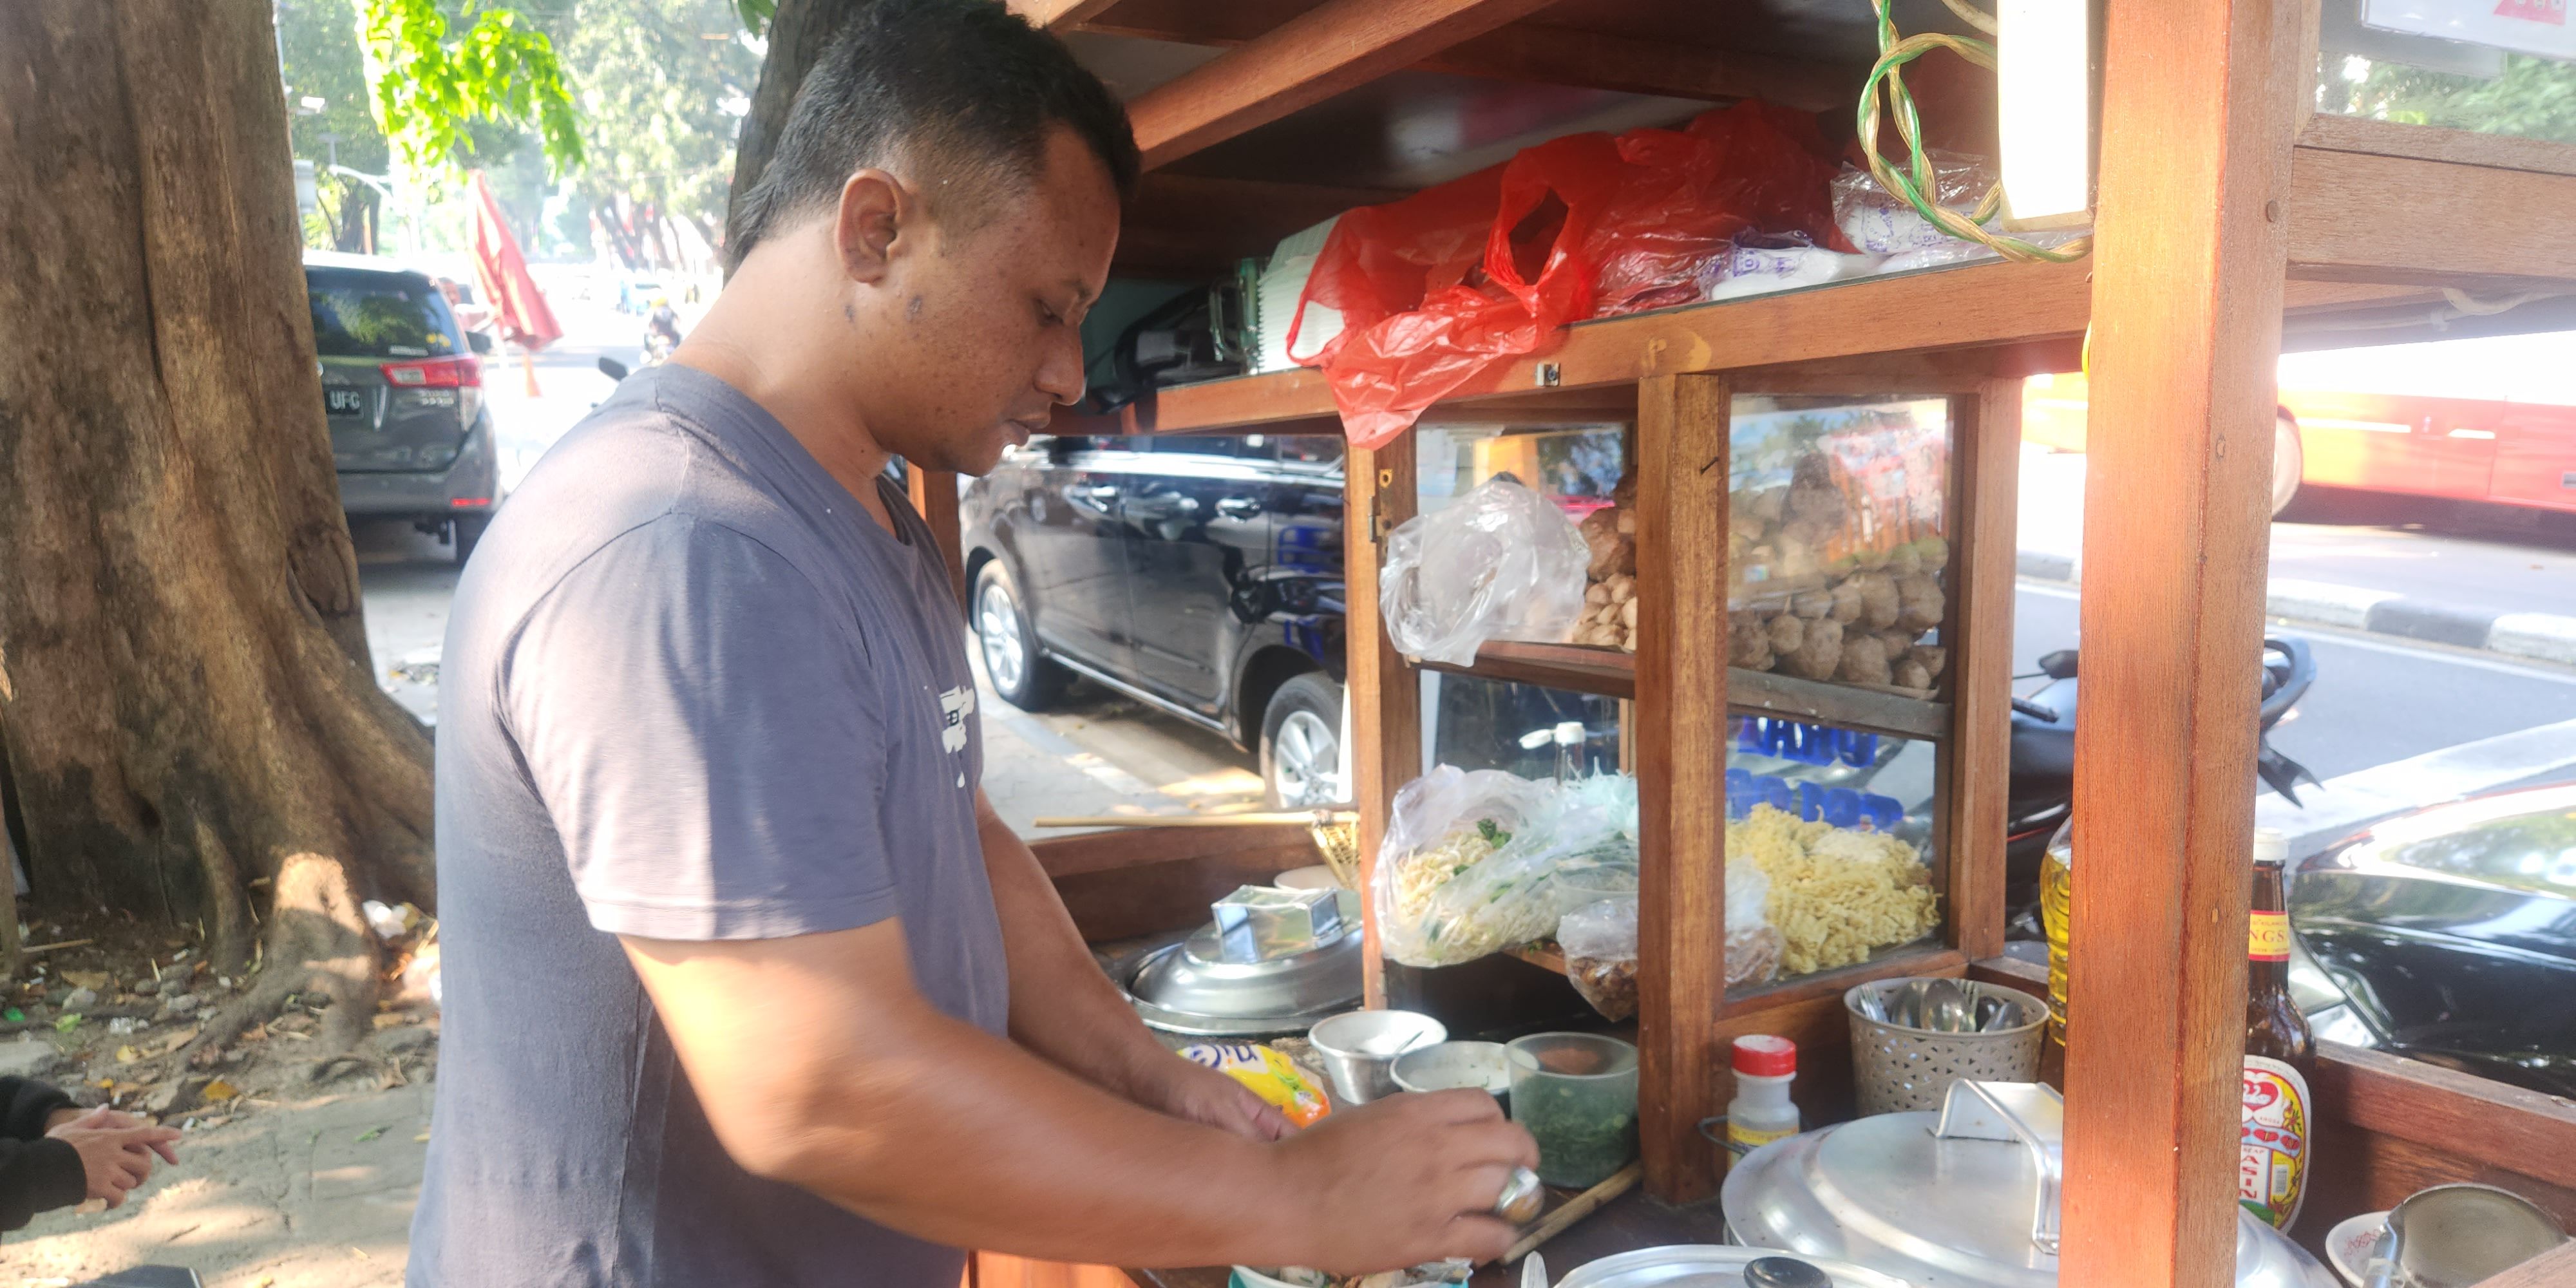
(2059, 665)
(612, 368)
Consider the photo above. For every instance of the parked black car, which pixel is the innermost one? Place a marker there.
(402, 388)
(1202, 576)
(2452, 932)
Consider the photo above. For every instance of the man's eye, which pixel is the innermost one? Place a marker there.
(1049, 316)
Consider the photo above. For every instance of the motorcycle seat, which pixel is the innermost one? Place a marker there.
(2043, 752)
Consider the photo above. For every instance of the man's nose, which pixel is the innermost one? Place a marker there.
(1060, 373)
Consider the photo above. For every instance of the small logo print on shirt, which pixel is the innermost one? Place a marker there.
(954, 706)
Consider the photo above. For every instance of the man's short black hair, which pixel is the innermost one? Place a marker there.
(963, 92)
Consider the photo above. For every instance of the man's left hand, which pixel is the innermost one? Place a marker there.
(1198, 1094)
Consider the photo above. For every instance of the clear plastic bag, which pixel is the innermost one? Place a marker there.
(1753, 946)
(1600, 943)
(1471, 861)
(1497, 563)
(1879, 222)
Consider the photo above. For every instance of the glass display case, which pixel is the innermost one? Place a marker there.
(1837, 543)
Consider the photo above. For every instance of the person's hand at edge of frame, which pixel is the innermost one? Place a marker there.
(114, 1159)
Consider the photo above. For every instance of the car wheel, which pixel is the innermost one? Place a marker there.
(2289, 464)
(1019, 672)
(1301, 743)
(469, 531)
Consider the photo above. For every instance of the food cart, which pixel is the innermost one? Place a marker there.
(2227, 213)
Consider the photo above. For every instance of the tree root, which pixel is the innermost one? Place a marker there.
(318, 942)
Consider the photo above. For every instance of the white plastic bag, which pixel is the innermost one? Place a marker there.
(1497, 563)
(1750, 269)
(1600, 943)
(1470, 861)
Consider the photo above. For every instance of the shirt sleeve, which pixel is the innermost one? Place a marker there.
(693, 712)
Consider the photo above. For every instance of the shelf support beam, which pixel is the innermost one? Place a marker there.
(1682, 471)
(2201, 99)
(1311, 57)
(1385, 727)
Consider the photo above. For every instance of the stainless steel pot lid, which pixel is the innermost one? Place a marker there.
(1710, 1266)
(1964, 1198)
(1190, 988)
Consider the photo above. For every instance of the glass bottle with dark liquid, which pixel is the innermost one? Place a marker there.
(2273, 1142)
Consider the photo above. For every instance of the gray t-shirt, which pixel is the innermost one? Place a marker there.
(691, 690)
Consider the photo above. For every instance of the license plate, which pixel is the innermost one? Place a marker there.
(344, 402)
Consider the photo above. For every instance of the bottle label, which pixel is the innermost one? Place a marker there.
(1741, 1141)
(2272, 1142)
(2267, 939)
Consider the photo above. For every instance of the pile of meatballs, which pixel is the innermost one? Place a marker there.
(1796, 606)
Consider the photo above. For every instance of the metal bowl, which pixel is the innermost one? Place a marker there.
(1189, 987)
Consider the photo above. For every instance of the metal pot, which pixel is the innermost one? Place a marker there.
(1709, 1266)
(1965, 1198)
(1191, 988)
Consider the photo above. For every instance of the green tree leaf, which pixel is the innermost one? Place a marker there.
(429, 84)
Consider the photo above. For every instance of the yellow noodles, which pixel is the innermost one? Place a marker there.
(1836, 893)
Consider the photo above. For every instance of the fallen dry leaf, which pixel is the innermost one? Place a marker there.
(220, 1090)
(127, 1055)
(421, 1139)
(389, 1019)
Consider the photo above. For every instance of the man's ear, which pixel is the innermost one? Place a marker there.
(875, 223)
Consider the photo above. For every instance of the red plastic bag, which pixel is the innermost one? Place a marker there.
(1441, 285)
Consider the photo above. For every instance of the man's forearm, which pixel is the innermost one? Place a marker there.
(1062, 1007)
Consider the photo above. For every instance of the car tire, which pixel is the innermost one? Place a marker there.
(1016, 667)
(2289, 465)
(468, 530)
(1301, 739)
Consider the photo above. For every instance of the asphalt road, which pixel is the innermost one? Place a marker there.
(2376, 699)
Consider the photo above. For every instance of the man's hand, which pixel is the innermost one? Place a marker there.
(1195, 1093)
(1405, 1180)
(114, 1159)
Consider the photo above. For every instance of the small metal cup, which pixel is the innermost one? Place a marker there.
(1359, 1049)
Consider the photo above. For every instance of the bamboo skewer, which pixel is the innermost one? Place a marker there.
(1575, 1209)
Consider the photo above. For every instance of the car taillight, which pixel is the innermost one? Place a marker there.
(464, 371)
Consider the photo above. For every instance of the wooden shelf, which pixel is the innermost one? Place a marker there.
(1613, 674)
(1887, 963)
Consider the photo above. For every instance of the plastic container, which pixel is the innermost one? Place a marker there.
(1761, 1111)
(1577, 1095)
(1449, 1066)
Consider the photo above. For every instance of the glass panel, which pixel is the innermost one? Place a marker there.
(1838, 545)
(1829, 848)
(1476, 723)
(1582, 469)
(2488, 66)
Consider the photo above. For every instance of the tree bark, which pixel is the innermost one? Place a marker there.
(797, 33)
(186, 703)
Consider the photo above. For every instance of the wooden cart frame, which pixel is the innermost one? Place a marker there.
(2225, 207)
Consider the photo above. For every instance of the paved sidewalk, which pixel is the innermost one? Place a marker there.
(2506, 593)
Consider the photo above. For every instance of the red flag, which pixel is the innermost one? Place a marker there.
(518, 307)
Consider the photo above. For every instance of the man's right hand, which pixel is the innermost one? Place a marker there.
(114, 1159)
(1407, 1179)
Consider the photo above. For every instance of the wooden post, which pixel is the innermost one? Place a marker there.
(2200, 101)
(934, 498)
(1985, 474)
(1385, 730)
(1682, 424)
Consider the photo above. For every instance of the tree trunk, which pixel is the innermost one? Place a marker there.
(186, 703)
(797, 33)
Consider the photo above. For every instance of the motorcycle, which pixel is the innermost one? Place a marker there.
(2041, 790)
(658, 346)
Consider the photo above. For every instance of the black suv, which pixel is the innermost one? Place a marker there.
(1202, 576)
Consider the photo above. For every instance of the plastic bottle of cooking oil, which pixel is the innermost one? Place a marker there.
(2056, 905)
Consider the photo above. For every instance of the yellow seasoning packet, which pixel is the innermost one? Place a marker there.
(1269, 1075)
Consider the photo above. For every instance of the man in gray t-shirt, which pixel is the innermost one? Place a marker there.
(745, 983)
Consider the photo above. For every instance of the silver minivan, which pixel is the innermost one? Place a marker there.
(402, 386)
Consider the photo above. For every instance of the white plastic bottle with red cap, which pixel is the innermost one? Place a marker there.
(1761, 1111)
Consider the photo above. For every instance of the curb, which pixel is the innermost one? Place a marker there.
(2545, 637)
